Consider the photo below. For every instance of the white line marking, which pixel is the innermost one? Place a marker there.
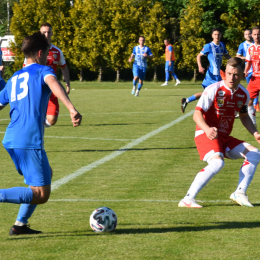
(56, 184)
(88, 138)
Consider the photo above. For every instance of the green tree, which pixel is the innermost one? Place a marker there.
(190, 28)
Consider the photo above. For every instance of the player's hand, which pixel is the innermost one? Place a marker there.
(245, 74)
(212, 133)
(76, 118)
(145, 55)
(2, 68)
(201, 70)
(68, 88)
(130, 59)
(257, 137)
(170, 63)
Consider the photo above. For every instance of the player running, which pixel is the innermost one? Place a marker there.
(169, 65)
(253, 60)
(141, 54)
(2, 82)
(28, 92)
(214, 116)
(55, 58)
(215, 52)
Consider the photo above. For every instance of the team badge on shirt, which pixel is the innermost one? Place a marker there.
(239, 104)
(220, 102)
(221, 93)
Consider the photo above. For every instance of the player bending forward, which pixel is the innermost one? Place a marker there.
(214, 116)
(28, 92)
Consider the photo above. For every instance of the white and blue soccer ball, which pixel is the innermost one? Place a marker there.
(103, 220)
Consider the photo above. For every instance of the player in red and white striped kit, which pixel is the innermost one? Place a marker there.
(253, 58)
(214, 116)
(55, 58)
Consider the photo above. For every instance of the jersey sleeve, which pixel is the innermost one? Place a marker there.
(4, 100)
(170, 48)
(149, 52)
(240, 49)
(134, 52)
(207, 98)
(248, 56)
(48, 71)
(62, 61)
(206, 49)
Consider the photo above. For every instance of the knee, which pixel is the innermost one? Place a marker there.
(40, 196)
(253, 156)
(52, 119)
(216, 165)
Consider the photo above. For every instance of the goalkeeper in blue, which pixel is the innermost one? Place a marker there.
(141, 53)
(28, 92)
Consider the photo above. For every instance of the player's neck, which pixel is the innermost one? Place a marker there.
(216, 42)
(141, 46)
(249, 41)
(257, 43)
(30, 61)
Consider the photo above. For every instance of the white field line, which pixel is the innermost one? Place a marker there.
(143, 200)
(87, 138)
(56, 184)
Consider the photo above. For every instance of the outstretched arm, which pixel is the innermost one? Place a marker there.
(60, 93)
(66, 75)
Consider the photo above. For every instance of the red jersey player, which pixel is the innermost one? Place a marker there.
(55, 58)
(214, 116)
(253, 58)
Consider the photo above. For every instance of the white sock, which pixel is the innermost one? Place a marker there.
(251, 113)
(203, 177)
(46, 123)
(247, 170)
(19, 223)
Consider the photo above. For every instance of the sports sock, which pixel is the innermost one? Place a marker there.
(203, 177)
(247, 170)
(167, 75)
(251, 113)
(191, 99)
(16, 195)
(46, 123)
(175, 76)
(139, 86)
(25, 212)
(134, 83)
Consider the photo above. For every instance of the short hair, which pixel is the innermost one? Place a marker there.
(141, 37)
(46, 25)
(248, 30)
(256, 28)
(215, 29)
(33, 43)
(166, 39)
(236, 62)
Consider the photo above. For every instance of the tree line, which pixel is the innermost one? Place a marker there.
(98, 34)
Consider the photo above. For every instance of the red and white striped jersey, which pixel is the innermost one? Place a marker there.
(253, 55)
(219, 106)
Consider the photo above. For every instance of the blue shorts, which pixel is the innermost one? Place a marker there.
(169, 68)
(210, 79)
(249, 77)
(2, 84)
(139, 72)
(33, 164)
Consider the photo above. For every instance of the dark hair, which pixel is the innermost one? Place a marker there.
(248, 30)
(46, 25)
(215, 29)
(256, 28)
(166, 39)
(141, 37)
(33, 43)
(236, 62)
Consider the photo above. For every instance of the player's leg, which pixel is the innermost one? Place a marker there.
(211, 152)
(186, 101)
(251, 156)
(135, 79)
(167, 74)
(141, 74)
(52, 111)
(174, 75)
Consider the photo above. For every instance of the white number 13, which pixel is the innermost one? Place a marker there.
(23, 85)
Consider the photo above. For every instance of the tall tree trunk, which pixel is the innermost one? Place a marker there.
(155, 74)
(195, 75)
(80, 75)
(100, 74)
(117, 75)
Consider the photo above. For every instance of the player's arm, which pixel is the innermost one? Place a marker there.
(240, 56)
(248, 124)
(248, 66)
(149, 54)
(201, 69)
(211, 132)
(66, 75)
(2, 70)
(227, 56)
(58, 90)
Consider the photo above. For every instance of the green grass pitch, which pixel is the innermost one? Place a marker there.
(142, 185)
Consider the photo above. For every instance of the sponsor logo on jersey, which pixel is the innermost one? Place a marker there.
(238, 95)
(231, 103)
(221, 93)
(220, 102)
(251, 53)
(55, 56)
(239, 104)
(54, 51)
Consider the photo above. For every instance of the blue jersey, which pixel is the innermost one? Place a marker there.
(242, 50)
(28, 96)
(140, 60)
(215, 55)
(1, 61)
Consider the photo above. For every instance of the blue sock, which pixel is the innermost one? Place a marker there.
(25, 212)
(16, 195)
(191, 99)
(255, 101)
(139, 86)
(134, 82)
(167, 75)
(174, 75)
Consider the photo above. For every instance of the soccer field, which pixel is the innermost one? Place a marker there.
(137, 156)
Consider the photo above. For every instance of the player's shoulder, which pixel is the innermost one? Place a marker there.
(55, 48)
(241, 87)
(212, 89)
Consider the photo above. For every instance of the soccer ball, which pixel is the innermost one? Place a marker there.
(103, 220)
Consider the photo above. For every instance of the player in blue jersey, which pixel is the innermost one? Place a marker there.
(215, 52)
(141, 54)
(241, 53)
(27, 92)
(2, 82)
